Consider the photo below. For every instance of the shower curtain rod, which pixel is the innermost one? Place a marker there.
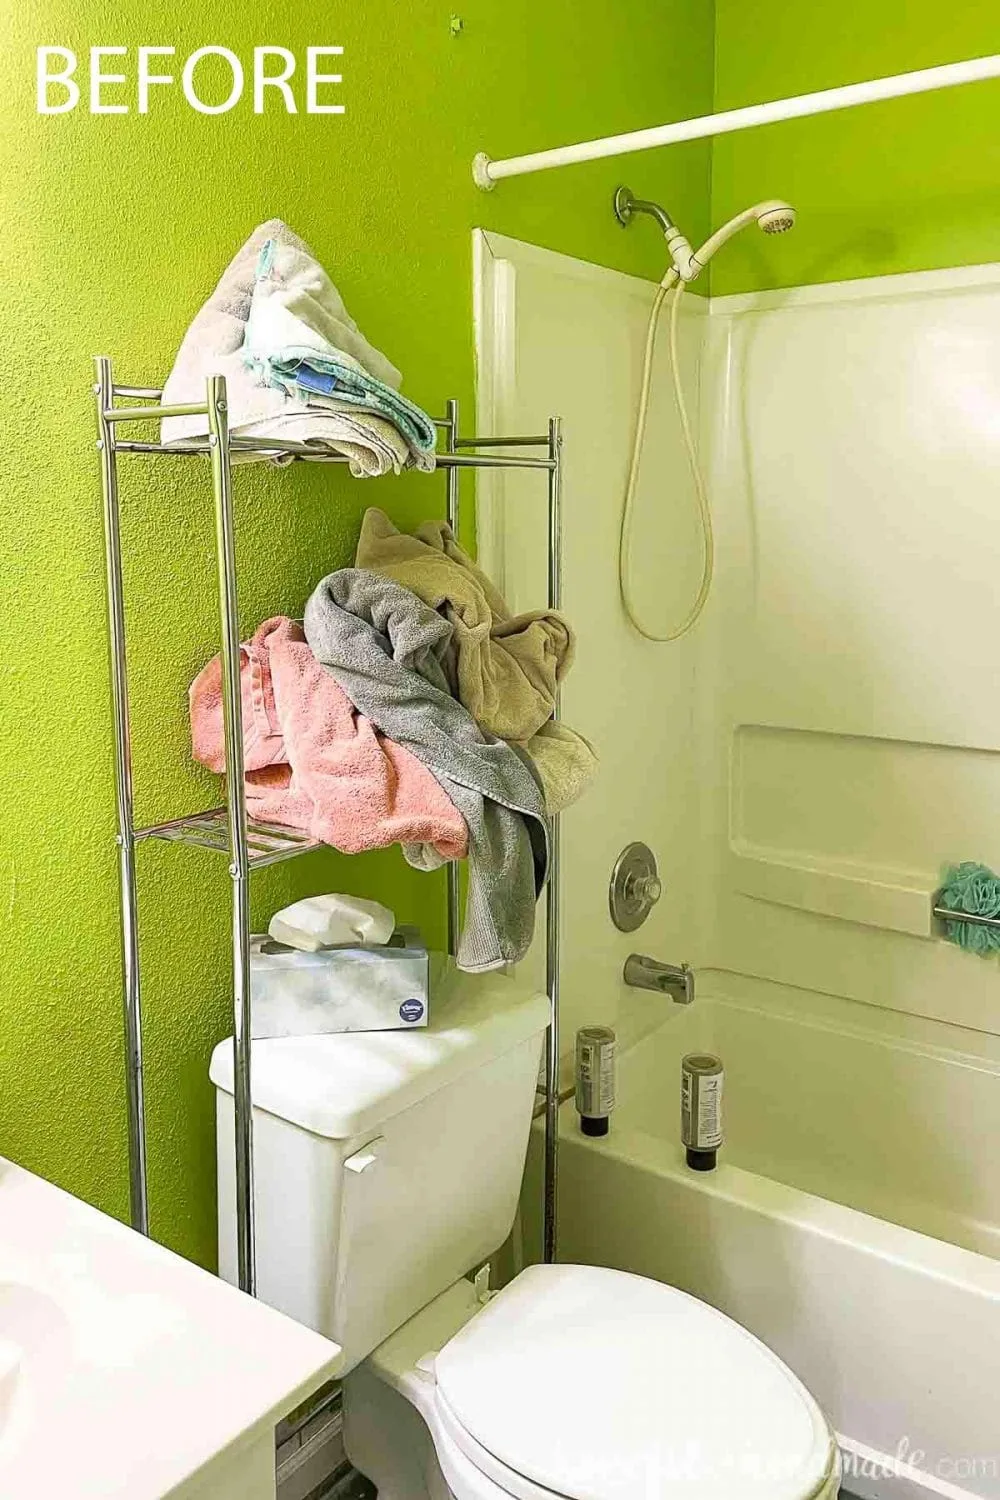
(487, 173)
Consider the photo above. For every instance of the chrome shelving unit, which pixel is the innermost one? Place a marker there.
(250, 845)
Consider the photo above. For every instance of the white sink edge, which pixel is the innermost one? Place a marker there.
(153, 1369)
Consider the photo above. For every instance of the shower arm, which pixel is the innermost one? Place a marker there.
(678, 246)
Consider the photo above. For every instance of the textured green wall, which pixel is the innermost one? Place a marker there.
(116, 228)
(906, 185)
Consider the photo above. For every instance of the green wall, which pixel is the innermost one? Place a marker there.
(906, 185)
(116, 228)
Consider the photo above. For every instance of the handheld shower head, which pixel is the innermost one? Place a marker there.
(773, 216)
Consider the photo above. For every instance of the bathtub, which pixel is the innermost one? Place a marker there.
(846, 1224)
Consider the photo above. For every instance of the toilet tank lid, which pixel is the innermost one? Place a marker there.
(342, 1085)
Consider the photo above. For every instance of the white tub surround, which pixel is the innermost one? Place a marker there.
(849, 740)
(802, 764)
(807, 760)
(546, 325)
(127, 1373)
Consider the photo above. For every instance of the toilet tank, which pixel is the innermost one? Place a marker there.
(386, 1163)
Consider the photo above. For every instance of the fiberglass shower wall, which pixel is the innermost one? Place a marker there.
(850, 717)
(560, 335)
(828, 737)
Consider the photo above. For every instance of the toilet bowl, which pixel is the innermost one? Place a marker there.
(582, 1383)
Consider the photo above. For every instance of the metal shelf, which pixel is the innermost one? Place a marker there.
(227, 830)
(307, 453)
(267, 843)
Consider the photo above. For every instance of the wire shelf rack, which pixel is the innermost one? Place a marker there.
(267, 843)
(247, 844)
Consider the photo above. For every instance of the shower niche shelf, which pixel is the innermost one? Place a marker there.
(855, 826)
(894, 900)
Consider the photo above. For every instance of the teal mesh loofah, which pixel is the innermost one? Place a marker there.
(972, 888)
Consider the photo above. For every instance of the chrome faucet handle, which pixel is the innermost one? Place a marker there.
(643, 889)
(645, 973)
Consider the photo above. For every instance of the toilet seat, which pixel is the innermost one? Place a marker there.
(583, 1383)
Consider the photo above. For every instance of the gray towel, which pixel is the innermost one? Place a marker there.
(387, 651)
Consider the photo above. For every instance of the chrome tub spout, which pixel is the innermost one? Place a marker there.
(645, 973)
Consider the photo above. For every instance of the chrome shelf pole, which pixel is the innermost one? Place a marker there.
(452, 480)
(239, 868)
(138, 1192)
(550, 1235)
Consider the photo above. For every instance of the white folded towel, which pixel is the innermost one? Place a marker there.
(214, 343)
(371, 445)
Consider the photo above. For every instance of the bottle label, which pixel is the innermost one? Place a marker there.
(595, 1077)
(701, 1110)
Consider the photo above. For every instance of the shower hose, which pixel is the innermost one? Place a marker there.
(628, 506)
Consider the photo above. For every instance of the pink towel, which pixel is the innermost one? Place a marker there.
(312, 761)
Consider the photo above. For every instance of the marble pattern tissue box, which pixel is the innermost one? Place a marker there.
(377, 988)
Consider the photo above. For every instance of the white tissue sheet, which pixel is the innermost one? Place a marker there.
(330, 921)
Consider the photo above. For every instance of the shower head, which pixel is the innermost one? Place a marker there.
(773, 216)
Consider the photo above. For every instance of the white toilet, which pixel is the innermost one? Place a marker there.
(387, 1166)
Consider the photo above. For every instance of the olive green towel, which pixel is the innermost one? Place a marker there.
(566, 763)
(503, 668)
(506, 666)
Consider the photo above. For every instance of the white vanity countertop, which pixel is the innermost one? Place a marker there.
(124, 1369)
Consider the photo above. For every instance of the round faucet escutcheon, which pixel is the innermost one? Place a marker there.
(635, 887)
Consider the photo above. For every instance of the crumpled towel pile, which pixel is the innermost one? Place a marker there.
(297, 367)
(313, 762)
(387, 650)
(504, 668)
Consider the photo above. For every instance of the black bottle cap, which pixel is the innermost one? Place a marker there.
(594, 1124)
(701, 1161)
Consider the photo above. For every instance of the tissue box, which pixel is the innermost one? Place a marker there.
(338, 989)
